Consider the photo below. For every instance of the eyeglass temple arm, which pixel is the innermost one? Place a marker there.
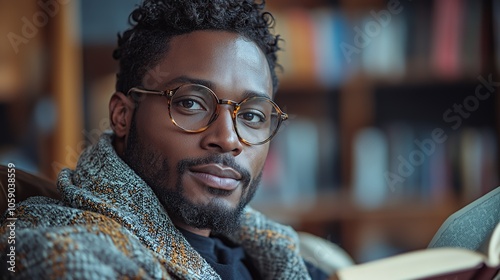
(283, 116)
(146, 91)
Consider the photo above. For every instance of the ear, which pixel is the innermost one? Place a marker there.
(121, 110)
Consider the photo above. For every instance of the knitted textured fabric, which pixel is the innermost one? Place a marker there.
(110, 225)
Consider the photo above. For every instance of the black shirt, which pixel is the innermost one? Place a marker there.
(229, 260)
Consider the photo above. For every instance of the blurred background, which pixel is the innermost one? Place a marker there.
(394, 108)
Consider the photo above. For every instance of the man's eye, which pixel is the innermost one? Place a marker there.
(189, 104)
(252, 117)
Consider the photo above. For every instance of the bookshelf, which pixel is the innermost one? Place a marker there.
(413, 85)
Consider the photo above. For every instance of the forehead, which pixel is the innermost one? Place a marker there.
(229, 62)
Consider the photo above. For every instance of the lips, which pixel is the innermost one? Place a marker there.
(216, 176)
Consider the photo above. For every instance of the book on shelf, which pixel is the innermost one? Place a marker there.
(369, 164)
(448, 33)
(302, 41)
(329, 45)
(467, 246)
(496, 31)
(472, 37)
(290, 174)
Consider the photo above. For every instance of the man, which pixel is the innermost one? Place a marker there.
(164, 194)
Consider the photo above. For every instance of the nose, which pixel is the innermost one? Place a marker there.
(221, 135)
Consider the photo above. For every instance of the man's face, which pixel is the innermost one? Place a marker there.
(203, 179)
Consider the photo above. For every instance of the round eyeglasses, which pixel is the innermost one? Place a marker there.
(194, 107)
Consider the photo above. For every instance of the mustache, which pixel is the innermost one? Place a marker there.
(222, 159)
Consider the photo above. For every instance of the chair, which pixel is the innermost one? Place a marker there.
(26, 185)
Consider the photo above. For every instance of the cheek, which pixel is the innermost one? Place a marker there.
(257, 157)
(157, 128)
(156, 133)
(151, 116)
(167, 141)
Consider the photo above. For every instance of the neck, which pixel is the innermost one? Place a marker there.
(202, 232)
(119, 146)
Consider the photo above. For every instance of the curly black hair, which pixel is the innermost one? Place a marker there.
(155, 22)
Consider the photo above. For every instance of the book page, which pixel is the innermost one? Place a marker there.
(470, 226)
(416, 265)
(491, 248)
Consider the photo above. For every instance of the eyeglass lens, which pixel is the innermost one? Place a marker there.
(194, 107)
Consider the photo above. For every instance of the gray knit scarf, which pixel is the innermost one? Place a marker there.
(110, 225)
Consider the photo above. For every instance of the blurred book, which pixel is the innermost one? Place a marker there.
(419, 22)
(447, 37)
(329, 58)
(302, 43)
(477, 161)
(290, 174)
(440, 174)
(328, 165)
(400, 137)
(385, 55)
(489, 175)
(496, 31)
(369, 166)
(472, 37)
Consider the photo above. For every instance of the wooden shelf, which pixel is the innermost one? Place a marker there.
(328, 207)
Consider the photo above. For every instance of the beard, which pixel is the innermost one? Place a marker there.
(152, 166)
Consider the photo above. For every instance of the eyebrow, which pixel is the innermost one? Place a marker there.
(189, 80)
